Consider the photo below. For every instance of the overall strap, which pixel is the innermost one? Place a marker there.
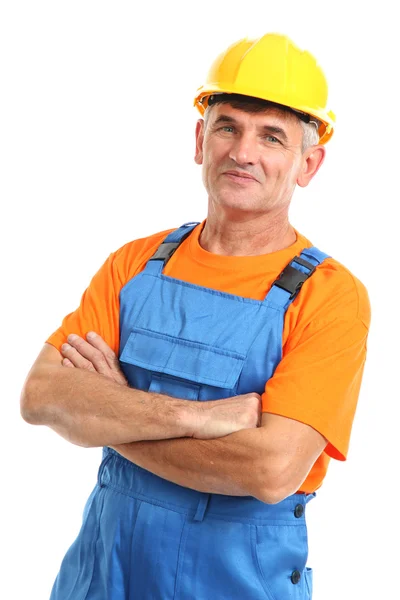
(157, 262)
(286, 287)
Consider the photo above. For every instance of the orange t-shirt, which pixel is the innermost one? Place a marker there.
(318, 379)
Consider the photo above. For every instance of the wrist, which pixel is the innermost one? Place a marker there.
(181, 418)
(190, 417)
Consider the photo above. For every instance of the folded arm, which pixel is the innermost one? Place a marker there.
(95, 407)
(318, 380)
(269, 463)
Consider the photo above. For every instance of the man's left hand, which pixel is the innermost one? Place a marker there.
(92, 354)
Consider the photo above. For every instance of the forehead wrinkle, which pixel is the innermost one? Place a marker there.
(224, 118)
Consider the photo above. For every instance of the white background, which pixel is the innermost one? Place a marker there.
(97, 144)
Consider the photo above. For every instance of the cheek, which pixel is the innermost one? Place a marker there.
(211, 163)
(208, 168)
(278, 167)
(216, 151)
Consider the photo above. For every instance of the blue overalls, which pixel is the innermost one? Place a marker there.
(145, 538)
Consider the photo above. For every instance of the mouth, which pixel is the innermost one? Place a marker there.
(240, 176)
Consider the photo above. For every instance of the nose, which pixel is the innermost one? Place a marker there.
(244, 150)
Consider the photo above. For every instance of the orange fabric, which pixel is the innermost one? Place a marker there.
(324, 338)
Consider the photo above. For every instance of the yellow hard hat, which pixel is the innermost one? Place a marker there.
(271, 68)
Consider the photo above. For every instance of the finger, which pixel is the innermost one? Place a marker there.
(97, 341)
(90, 353)
(70, 353)
(112, 360)
(67, 363)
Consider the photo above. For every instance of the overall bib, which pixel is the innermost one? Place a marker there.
(145, 538)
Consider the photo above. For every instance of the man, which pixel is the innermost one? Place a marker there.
(203, 500)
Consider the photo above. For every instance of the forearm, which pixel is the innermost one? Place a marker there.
(90, 410)
(230, 465)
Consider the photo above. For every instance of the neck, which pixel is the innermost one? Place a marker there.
(249, 236)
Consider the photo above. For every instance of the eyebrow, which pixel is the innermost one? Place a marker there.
(267, 128)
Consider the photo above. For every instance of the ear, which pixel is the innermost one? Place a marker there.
(311, 161)
(198, 157)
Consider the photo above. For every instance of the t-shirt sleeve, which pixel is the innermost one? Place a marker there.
(318, 380)
(98, 310)
(99, 307)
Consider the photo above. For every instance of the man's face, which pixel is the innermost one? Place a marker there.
(251, 161)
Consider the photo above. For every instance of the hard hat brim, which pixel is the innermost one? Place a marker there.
(327, 119)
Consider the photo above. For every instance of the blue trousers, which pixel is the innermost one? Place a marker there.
(141, 540)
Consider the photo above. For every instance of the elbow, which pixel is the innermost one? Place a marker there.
(30, 408)
(36, 412)
(272, 485)
(37, 408)
(272, 496)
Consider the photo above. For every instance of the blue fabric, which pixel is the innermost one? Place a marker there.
(143, 537)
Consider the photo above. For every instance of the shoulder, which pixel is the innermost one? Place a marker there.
(142, 246)
(335, 292)
(342, 283)
(131, 258)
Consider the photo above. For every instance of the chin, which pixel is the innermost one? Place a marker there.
(241, 201)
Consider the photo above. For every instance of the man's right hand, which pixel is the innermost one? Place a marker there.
(218, 418)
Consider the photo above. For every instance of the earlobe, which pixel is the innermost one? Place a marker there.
(312, 161)
(198, 157)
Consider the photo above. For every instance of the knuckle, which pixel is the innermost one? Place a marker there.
(98, 357)
(88, 366)
(77, 342)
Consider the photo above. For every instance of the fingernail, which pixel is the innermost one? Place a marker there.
(72, 337)
(65, 347)
(91, 335)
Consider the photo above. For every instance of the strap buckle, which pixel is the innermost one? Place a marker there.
(291, 279)
(165, 251)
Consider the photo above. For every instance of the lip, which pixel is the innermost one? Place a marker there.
(240, 176)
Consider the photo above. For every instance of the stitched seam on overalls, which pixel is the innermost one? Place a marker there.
(191, 511)
(157, 562)
(213, 292)
(131, 546)
(174, 507)
(236, 360)
(103, 464)
(181, 553)
(261, 578)
(308, 575)
(120, 295)
(94, 553)
(174, 373)
(271, 522)
(190, 343)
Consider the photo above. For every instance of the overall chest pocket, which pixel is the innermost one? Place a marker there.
(178, 367)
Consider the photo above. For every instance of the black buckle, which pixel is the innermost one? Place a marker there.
(291, 279)
(165, 251)
(305, 263)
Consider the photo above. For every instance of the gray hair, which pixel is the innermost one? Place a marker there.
(310, 133)
(310, 130)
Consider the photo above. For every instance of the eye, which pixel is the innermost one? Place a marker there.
(272, 138)
(227, 128)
